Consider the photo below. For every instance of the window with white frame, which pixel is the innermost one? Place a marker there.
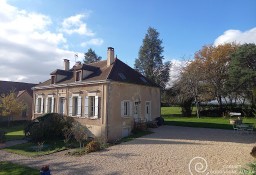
(126, 108)
(148, 110)
(62, 105)
(75, 105)
(78, 75)
(92, 107)
(136, 107)
(49, 104)
(39, 105)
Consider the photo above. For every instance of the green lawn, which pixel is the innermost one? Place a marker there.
(172, 116)
(14, 132)
(7, 168)
(31, 149)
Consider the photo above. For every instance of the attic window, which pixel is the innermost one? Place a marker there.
(53, 79)
(143, 79)
(122, 76)
(78, 75)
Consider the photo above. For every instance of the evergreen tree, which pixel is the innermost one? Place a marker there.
(90, 57)
(150, 59)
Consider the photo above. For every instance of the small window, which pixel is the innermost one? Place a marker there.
(49, 105)
(75, 102)
(78, 75)
(136, 108)
(143, 79)
(75, 106)
(53, 80)
(122, 76)
(126, 108)
(39, 107)
(61, 105)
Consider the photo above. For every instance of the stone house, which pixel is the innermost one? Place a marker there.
(106, 96)
(23, 93)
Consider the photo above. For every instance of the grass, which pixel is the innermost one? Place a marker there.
(31, 149)
(7, 168)
(172, 116)
(14, 132)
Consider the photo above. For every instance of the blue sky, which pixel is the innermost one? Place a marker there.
(74, 26)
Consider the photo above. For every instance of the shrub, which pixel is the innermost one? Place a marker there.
(253, 152)
(2, 136)
(251, 170)
(160, 121)
(93, 146)
(48, 126)
(79, 133)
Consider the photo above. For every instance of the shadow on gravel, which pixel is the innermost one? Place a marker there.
(172, 134)
(200, 134)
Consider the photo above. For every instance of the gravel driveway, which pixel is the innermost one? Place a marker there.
(169, 150)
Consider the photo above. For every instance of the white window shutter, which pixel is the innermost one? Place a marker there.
(36, 107)
(70, 106)
(52, 107)
(79, 104)
(131, 105)
(46, 105)
(86, 102)
(42, 105)
(63, 106)
(150, 109)
(122, 108)
(96, 106)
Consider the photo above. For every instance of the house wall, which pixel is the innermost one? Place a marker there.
(26, 99)
(123, 91)
(110, 123)
(96, 127)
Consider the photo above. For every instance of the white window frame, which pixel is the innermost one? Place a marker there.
(148, 110)
(63, 105)
(42, 105)
(126, 108)
(71, 105)
(52, 107)
(88, 108)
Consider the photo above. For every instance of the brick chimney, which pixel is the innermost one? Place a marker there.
(110, 56)
(66, 64)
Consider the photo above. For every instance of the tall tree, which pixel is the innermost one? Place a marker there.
(150, 59)
(90, 57)
(10, 106)
(242, 71)
(214, 62)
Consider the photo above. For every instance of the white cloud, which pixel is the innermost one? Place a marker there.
(175, 70)
(94, 41)
(237, 36)
(28, 50)
(74, 24)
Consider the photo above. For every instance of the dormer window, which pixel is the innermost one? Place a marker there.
(78, 75)
(53, 79)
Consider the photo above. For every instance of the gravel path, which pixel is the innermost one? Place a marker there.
(168, 151)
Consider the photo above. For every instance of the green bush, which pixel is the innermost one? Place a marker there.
(2, 136)
(251, 170)
(48, 126)
(93, 146)
(253, 152)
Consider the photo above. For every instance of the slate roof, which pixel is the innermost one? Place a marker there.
(7, 86)
(118, 71)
